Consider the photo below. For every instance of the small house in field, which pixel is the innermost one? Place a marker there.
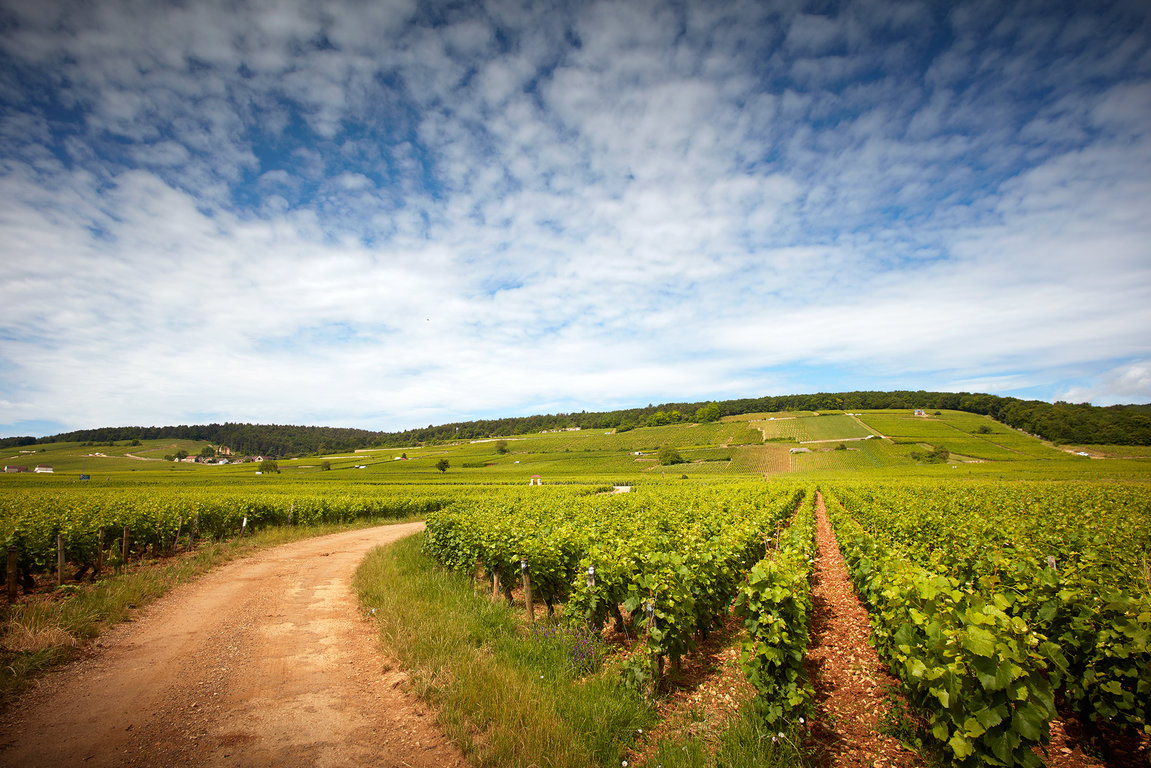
(799, 450)
(42, 469)
(536, 480)
(13, 469)
(919, 412)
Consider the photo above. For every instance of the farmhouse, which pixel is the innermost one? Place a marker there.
(43, 469)
(12, 468)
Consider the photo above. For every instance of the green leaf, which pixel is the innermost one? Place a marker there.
(973, 728)
(1028, 722)
(979, 641)
(989, 717)
(960, 745)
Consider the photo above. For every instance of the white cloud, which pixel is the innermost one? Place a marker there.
(365, 212)
(1128, 383)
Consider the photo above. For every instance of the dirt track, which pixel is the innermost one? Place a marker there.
(263, 662)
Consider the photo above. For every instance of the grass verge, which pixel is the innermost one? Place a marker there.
(505, 696)
(48, 629)
(744, 744)
(510, 696)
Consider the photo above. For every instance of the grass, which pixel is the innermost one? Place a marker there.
(743, 744)
(47, 629)
(505, 695)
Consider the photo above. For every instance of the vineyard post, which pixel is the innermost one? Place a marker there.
(59, 559)
(291, 509)
(527, 591)
(495, 584)
(100, 550)
(657, 672)
(192, 532)
(243, 526)
(124, 547)
(179, 526)
(12, 573)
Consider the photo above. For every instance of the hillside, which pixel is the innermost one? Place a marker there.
(1059, 422)
(888, 442)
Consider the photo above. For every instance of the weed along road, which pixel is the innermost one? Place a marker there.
(265, 661)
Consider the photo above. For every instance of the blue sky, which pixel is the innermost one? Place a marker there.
(389, 214)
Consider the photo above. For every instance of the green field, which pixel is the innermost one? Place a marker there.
(729, 448)
(812, 428)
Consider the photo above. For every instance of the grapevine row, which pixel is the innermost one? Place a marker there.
(775, 604)
(666, 561)
(31, 520)
(987, 599)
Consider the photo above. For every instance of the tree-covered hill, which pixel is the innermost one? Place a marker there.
(1060, 422)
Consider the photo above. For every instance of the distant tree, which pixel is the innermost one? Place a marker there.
(135, 442)
(325, 465)
(181, 455)
(983, 430)
(207, 452)
(658, 419)
(668, 455)
(841, 447)
(267, 466)
(501, 446)
(938, 455)
(442, 465)
(709, 412)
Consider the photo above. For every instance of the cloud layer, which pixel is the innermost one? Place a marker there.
(390, 214)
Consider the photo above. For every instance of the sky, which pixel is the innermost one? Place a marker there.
(392, 214)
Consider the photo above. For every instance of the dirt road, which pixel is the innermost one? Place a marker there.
(263, 662)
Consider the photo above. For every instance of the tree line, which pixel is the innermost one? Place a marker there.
(1059, 422)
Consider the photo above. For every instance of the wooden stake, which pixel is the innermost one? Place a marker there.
(59, 559)
(12, 558)
(528, 591)
(495, 585)
(124, 547)
(99, 551)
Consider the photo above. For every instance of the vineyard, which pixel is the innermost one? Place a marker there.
(990, 600)
(1000, 602)
(670, 560)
